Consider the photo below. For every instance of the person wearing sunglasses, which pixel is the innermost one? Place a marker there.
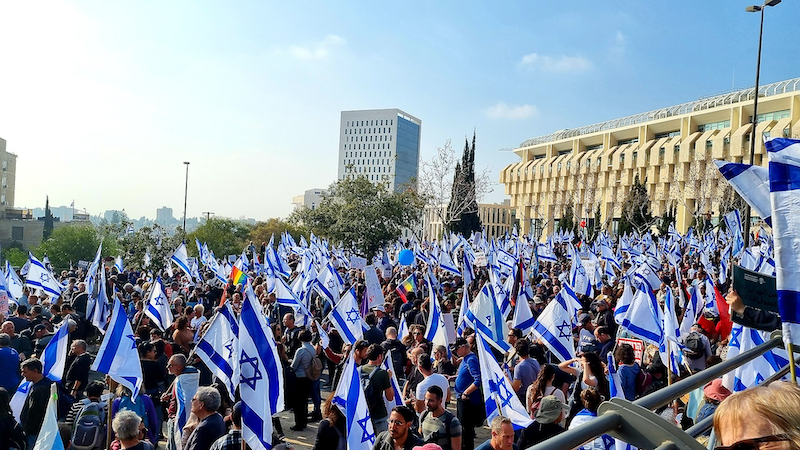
(764, 417)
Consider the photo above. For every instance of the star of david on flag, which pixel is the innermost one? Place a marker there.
(40, 277)
(349, 397)
(498, 395)
(158, 306)
(117, 356)
(218, 348)
(346, 317)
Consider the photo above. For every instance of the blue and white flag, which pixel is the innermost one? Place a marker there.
(545, 253)
(158, 306)
(554, 327)
(578, 278)
(350, 399)
(261, 375)
(644, 317)
(286, 297)
(40, 277)
(118, 264)
(647, 274)
(523, 316)
(784, 173)
(13, 283)
(117, 356)
(219, 348)
(615, 390)
(446, 263)
(436, 332)
(346, 317)
(485, 317)
(181, 258)
(146, 261)
(54, 357)
(756, 371)
(388, 366)
(329, 283)
(97, 306)
(498, 394)
(669, 348)
(734, 224)
(750, 182)
(19, 397)
(184, 388)
(49, 438)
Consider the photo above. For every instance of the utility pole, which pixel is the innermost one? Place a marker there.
(208, 215)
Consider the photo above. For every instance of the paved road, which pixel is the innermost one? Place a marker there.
(305, 439)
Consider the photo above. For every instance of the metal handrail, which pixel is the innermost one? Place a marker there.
(613, 416)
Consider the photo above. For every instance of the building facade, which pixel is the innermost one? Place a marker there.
(671, 150)
(496, 219)
(381, 145)
(310, 199)
(8, 170)
(164, 216)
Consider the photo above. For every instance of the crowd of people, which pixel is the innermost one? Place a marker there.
(434, 379)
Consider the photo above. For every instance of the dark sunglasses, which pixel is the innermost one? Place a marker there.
(752, 444)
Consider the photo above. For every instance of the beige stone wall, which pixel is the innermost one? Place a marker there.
(673, 156)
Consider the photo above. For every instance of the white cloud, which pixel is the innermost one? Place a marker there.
(318, 51)
(504, 111)
(561, 63)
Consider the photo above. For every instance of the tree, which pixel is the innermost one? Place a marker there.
(72, 243)
(462, 210)
(263, 231)
(48, 220)
(224, 236)
(667, 219)
(636, 210)
(436, 183)
(567, 221)
(595, 230)
(362, 216)
(159, 241)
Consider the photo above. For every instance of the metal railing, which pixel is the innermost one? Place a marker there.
(636, 423)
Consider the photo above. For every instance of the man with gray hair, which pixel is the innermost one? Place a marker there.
(198, 319)
(129, 429)
(205, 403)
(502, 435)
(78, 373)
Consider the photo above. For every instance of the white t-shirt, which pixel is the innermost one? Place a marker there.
(436, 379)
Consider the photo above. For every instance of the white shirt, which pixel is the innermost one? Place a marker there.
(436, 379)
(197, 323)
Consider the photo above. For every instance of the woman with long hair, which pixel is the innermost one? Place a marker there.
(542, 387)
(11, 434)
(591, 400)
(182, 336)
(331, 429)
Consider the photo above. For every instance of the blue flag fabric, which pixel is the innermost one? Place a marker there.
(219, 348)
(346, 317)
(349, 396)
(498, 394)
(158, 306)
(54, 357)
(49, 438)
(118, 356)
(261, 375)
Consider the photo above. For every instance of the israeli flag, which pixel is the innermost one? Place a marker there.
(756, 371)
(147, 260)
(54, 357)
(219, 347)
(578, 278)
(181, 258)
(669, 348)
(554, 327)
(545, 253)
(261, 375)
(446, 263)
(644, 317)
(19, 397)
(752, 183)
(97, 306)
(498, 394)
(436, 332)
(402, 332)
(118, 264)
(158, 306)
(501, 294)
(398, 393)
(13, 283)
(734, 224)
(184, 388)
(49, 438)
(485, 317)
(346, 317)
(286, 297)
(40, 277)
(648, 274)
(523, 316)
(329, 283)
(467, 267)
(350, 398)
(117, 356)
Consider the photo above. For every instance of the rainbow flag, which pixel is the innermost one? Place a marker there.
(238, 277)
(409, 285)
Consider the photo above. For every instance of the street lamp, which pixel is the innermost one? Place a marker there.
(755, 8)
(186, 193)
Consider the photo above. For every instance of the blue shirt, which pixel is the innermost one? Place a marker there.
(469, 372)
(9, 369)
(627, 377)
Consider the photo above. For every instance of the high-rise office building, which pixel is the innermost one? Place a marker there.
(8, 173)
(381, 145)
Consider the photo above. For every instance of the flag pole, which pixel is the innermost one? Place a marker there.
(112, 387)
(792, 370)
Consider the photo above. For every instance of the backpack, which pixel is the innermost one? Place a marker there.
(369, 392)
(643, 381)
(448, 419)
(314, 370)
(137, 407)
(89, 431)
(695, 349)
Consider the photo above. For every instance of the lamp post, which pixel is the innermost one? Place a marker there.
(185, 196)
(755, 8)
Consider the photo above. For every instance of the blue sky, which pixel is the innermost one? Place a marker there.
(103, 101)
